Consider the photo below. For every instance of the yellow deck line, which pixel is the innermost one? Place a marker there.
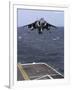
(23, 72)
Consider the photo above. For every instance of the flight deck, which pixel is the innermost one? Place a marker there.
(37, 71)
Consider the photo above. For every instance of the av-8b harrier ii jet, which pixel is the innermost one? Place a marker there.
(40, 25)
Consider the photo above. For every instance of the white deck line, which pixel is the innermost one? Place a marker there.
(44, 64)
(43, 77)
(50, 77)
(31, 63)
(36, 76)
(53, 69)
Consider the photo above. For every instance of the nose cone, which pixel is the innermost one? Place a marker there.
(42, 21)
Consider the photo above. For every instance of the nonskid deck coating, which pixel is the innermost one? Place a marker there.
(37, 71)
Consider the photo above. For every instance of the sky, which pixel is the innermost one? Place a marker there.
(25, 17)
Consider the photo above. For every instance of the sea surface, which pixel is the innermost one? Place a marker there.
(47, 47)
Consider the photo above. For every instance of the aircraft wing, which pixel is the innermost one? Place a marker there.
(50, 25)
(31, 26)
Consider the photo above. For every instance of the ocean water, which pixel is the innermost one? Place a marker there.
(47, 47)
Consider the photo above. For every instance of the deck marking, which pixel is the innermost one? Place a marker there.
(23, 72)
(50, 76)
(44, 76)
(39, 77)
(53, 69)
(46, 65)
